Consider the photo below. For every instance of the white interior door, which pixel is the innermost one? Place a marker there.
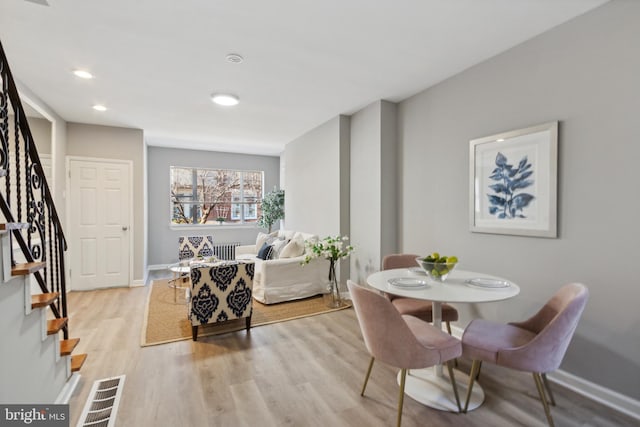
(99, 202)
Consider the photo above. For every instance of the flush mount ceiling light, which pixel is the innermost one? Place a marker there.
(99, 107)
(83, 74)
(225, 99)
(234, 58)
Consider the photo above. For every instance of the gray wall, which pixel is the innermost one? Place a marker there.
(163, 237)
(584, 74)
(373, 187)
(41, 132)
(317, 182)
(108, 142)
(58, 148)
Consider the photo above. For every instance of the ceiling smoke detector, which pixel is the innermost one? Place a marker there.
(234, 58)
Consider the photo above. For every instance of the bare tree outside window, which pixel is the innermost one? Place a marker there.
(199, 196)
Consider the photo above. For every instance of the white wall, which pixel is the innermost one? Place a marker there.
(584, 74)
(312, 177)
(373, 187)
(317, 182)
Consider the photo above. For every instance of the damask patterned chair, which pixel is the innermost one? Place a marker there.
(220, 292)
(195, 247)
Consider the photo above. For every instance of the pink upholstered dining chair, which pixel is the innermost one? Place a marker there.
(405, 342)
(536, 345)
(421, 309)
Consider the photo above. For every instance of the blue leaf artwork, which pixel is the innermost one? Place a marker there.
(505, 203)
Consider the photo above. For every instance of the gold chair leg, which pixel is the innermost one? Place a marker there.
(540, 386)
(548, 387)
(479, 367)
(475, 368)
(403, 376)
(366, 379)
(453, 384)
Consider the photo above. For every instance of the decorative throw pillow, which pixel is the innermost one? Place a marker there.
(294, 248)
(263, 237)
(278, 245)
(266, 251)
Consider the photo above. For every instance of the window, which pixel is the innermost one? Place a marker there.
(201, 196)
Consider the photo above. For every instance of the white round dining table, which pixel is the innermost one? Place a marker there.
(430, 386)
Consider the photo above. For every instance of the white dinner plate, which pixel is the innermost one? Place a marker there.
(486, 283)
(408, 283)
(417, 271)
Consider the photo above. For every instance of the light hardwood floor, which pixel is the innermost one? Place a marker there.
(305, 372)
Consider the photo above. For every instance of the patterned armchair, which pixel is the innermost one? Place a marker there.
(195, 246)
(220, 292)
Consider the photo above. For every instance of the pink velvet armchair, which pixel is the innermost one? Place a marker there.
(536, 345)
(405, 342)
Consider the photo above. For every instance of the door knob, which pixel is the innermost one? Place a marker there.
(125, 228)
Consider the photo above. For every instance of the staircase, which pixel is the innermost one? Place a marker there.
(37, 353)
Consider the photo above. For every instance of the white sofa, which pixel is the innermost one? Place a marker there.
(284, 278)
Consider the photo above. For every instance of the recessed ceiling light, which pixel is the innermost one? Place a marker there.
(234, 58)
(500, 140)
(225, 99)
(99, 107)
(83, 74)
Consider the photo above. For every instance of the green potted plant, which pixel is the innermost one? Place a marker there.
(272, 209)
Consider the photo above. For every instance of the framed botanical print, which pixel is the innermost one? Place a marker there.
(513, 182)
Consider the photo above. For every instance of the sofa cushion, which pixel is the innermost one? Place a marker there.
(294, 248)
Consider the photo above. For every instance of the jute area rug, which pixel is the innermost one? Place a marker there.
(166, 321)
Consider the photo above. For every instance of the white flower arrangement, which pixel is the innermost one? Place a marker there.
(331, 248)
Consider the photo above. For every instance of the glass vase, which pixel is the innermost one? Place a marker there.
(334, 291)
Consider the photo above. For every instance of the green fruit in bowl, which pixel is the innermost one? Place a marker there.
(436, 266)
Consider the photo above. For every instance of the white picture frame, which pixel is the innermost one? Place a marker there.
(513, 182)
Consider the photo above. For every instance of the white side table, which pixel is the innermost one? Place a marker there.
(178, 281)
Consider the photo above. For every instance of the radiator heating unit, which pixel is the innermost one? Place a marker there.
(226, 251)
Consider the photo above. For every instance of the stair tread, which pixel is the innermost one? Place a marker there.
(77, 361)
(13, 225)
(67, 346)
(43, 300)
(54, 325)
(27, 268)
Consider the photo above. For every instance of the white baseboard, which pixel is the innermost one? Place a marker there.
(588, 389)
(593, 391)
(137, 284)
(65, 394)
(157, 267)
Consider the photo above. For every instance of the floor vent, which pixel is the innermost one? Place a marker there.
(102, 404)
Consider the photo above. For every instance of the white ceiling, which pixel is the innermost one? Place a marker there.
(156, 62)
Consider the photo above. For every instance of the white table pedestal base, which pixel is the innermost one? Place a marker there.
(435, 391)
